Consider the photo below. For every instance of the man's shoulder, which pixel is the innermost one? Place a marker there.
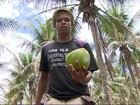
(47, 43)
(80, 42)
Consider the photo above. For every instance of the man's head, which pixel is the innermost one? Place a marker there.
(60, 11)
(63, 21)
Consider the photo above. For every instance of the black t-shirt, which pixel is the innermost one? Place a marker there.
(61, 84)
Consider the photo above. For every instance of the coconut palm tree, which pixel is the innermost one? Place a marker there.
(92, 16)
(7, 24)
(116, 27)
(121, 87)
(124, 40)
(21, 77)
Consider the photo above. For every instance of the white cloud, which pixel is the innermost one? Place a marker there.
(31, 5)
(8, 10)
(85, 33)
(12, 41)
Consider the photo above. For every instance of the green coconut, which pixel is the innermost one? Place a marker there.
(81, 55)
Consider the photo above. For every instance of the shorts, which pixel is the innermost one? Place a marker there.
(82, 100)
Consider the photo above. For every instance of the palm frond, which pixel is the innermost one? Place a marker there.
(115, 2)
(27, 44)
(2, 88)
(4, 65)
(135, 19)
(77, 26)
(51, 9)
(15, 89)
(2, 47)
(7, 24)
(124, 30)
(44, 4)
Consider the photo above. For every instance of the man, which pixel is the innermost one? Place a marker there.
(64, 85)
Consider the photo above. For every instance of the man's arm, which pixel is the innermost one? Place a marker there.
(43, 82)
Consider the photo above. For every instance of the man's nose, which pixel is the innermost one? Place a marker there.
(63, 22)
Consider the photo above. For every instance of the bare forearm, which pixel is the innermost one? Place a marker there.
(41, 88)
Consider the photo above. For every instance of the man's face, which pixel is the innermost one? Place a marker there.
(63, 23)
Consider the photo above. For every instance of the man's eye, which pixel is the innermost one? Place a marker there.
(59, 20)
(67, 20)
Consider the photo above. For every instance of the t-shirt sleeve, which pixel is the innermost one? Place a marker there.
(93, 65)
(43, 61)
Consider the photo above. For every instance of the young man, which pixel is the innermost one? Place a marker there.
(64, 85)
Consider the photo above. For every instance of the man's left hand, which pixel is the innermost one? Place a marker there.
(79, 74)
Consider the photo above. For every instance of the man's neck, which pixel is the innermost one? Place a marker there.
(64, 38)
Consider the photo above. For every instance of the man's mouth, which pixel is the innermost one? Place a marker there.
(63, 27)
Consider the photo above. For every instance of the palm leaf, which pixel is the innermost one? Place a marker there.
(134, 19)
(2, 47)
(14, 90)
(7, 24)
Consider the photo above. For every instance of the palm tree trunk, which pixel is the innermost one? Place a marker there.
(130, 62)
(101, 64)
(89, 15)
(31, 90)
